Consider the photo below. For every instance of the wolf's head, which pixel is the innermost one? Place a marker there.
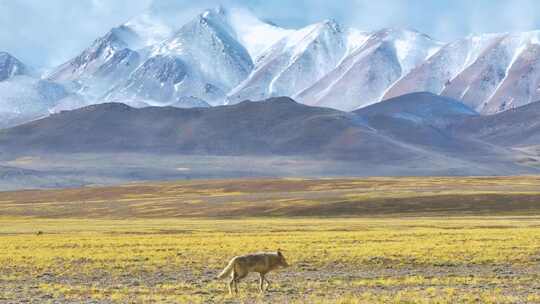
(281, 259)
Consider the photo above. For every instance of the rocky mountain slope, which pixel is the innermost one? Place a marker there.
(518, 127)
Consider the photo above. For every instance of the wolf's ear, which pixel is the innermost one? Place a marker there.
(279, 252)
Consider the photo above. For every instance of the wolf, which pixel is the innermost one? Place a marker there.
(239, 267)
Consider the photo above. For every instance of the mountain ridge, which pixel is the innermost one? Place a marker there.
(338, 67)
(111, 142)
(394, 130)
(163, 58)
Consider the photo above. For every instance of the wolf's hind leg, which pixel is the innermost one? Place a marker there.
(267, 283)
(231, 282)
(235, 279)
(261, 282)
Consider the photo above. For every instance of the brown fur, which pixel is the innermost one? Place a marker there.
(239, 267)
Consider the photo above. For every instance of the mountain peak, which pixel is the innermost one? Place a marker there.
(218, 11)
(203, 59)
(294, 62)
(125, 35)
(333, 24)
(218, 19)
(392, 33)
(10, 66)
(255, 34)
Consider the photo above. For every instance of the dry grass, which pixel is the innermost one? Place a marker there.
(408, 240)
(416, 260)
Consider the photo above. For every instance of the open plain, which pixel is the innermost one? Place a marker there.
(373, 240)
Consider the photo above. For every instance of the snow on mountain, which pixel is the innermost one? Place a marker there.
(230, 56)
(366, 73)
(294, 63)
(150, 28)
(25, 92)
(110, 59)
(475, 84)
(490, 72)
(98, 67)
(521, 83)
(10, 66)
(165, 57)
(202, 60)
(437, 71)
(24, 98)
(355, 39)
(254, 34)
(496, 72)
(208, 44)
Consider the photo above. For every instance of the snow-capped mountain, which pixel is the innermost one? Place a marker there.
(111, 58)
(294, 62)
(255, 35)
(363, 76)
(521, 83)
(10, 66)
(490, 73)
(23, 96)
(100, 66)
(436, 72)
(169, 56)
(149, 58)
(202, 60)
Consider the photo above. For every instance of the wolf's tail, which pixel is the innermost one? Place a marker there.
(227, 270)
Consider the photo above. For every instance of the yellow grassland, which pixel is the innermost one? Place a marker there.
(414, 260)
(409, 240)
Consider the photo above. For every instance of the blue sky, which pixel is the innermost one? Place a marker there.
(48, 32)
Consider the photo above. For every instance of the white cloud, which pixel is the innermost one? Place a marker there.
(41, 32)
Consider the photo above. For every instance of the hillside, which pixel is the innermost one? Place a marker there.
(278, 126)
(516, 127)
(416, 134)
